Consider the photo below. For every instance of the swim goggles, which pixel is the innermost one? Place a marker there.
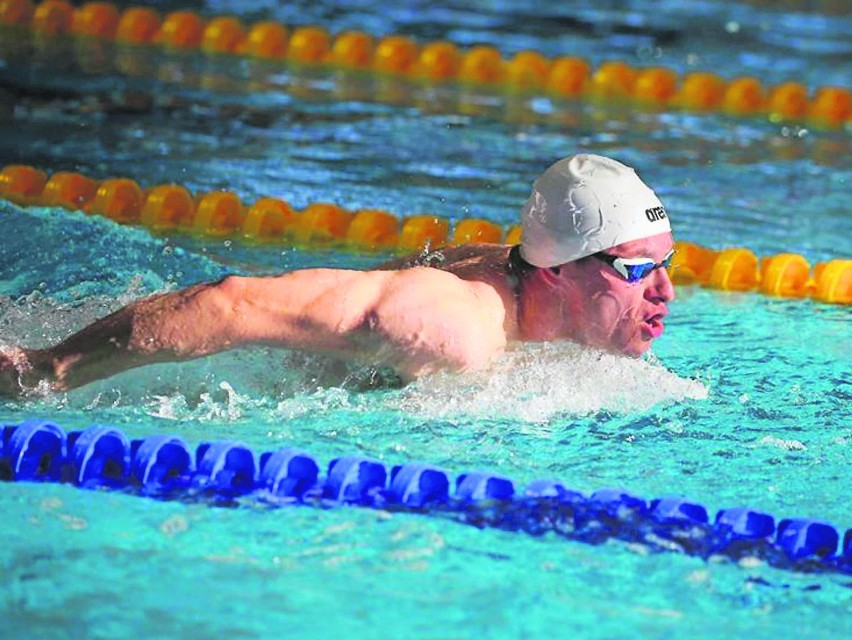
(634, 269)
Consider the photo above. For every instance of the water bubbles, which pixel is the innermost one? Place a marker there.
(794, 132)
(732, 26)
(647, 53)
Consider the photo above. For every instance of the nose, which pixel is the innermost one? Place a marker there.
(660, 287)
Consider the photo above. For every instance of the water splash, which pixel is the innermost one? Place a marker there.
(538, 382)
(37, 319)
(225, 404)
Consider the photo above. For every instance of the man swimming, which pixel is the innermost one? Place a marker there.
(591, 268)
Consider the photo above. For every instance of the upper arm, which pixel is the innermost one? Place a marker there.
(415, 320)
(313, 309)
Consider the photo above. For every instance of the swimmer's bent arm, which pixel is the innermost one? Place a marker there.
(387, 318)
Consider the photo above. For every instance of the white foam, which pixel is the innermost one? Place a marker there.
(224, 406)
(538, 381)
(780, 443)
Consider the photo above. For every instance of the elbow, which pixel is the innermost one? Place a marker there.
(227, 297)
(228, 291)
(221, 309)
(196, 322)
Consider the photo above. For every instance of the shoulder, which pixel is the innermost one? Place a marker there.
(454, 322)
(425, 285)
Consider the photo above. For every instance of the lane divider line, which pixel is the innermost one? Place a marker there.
(227, 472)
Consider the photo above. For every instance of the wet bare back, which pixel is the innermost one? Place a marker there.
(482, 262)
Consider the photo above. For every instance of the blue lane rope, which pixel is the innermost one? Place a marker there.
(227, 472)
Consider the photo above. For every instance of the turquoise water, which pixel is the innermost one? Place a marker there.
(745, 400)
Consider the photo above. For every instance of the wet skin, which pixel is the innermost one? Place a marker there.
(457, 313)
(586, 301)
(604, 310)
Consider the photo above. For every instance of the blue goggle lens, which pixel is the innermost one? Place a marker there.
(635, 272)
(635, 269)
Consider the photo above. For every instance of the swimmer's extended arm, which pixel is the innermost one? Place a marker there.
(160, 328)
(390, 318)
(191, 323)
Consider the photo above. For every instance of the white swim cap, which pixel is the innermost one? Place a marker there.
(584, 204)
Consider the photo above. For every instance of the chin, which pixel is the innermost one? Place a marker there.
(631, 350)
(632, 346)
(636, 349)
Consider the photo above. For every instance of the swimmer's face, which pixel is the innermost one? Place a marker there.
(607, 311)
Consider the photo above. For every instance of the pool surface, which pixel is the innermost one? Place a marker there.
(746, 400)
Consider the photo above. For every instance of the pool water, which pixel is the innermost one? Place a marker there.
(744, 401)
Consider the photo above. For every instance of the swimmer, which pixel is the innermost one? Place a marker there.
(590, 268)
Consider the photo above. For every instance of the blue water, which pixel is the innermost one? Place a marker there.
(745, 400)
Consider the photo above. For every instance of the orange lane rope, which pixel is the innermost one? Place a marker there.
(221, 214)
(526, 72)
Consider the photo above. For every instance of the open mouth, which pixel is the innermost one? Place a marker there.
(653, 325)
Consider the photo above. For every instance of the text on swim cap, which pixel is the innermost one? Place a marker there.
(655, 213)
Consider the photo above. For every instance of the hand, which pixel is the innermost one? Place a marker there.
(14, 365)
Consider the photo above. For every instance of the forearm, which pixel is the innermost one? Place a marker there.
(162, 328)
